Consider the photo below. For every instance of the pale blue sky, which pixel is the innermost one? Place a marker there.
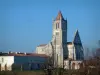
(24, 24)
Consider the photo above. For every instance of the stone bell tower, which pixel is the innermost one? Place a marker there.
(59, 39)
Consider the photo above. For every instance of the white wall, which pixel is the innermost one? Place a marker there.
(66, 64)
(77, 64)
(47, 49)
(40, 50)
(6, 60)
(71, 51)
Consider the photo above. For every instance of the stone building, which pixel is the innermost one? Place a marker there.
(59, 45)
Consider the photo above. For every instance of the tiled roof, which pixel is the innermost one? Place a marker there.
(59, 16)
(24, 54)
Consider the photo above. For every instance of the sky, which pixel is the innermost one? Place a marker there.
(25, 24)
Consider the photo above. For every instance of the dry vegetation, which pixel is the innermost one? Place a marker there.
(22, 73)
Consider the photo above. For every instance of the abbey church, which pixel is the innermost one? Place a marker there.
(59, 45)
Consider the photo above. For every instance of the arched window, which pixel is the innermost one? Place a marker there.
(32, 66)
(5, 67)
(57, 25)
(79, 65)
(38, 65)
(73, 66)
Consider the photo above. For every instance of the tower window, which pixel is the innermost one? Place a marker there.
(57, 25)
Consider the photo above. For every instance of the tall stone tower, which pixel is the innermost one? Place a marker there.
(59, 39)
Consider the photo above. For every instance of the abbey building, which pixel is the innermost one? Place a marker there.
(59, 46)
